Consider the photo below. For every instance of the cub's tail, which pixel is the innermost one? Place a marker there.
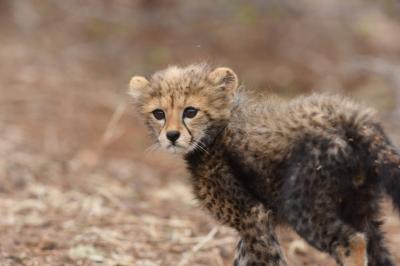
(383, 160)
(375, 153)
(387, 165)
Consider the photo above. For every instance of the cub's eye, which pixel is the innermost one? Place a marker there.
(190, 112)
(159, 114)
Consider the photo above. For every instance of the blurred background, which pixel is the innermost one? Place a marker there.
(77, 185)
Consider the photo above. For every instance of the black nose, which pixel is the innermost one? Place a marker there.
(173, 135)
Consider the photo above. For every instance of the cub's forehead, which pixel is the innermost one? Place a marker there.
(180, 80)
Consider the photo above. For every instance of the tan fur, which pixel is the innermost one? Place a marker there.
(286, 122)
(137, 85)
(174, 89)
(243, 131)
(356, 253)
(214, 93)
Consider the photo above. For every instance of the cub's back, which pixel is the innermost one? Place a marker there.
(270, 127)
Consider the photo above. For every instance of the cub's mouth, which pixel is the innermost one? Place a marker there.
(176, 148)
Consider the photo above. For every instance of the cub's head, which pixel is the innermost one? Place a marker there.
(185, 108)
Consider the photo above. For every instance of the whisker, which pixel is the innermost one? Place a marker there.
(199, 146)
(152, 148)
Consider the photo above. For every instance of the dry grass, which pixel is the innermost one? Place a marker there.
(90, 211)
(71, 212)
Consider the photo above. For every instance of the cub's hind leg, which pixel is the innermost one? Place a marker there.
(310, 200)
(360, 210)
(319, 225)
(378, 254)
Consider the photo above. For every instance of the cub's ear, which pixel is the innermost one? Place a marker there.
(137, 85)
(224, 77)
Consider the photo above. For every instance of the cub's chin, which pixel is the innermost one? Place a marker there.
(176, 149)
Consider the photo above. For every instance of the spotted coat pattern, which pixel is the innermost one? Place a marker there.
(318, 164)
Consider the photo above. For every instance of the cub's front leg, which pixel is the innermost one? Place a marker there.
(232, 205)
(262, 248)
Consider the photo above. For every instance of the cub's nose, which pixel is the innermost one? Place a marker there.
(173, 135)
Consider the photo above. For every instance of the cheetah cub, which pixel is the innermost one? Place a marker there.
(319, 164)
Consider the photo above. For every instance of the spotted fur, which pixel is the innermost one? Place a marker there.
(319, 164)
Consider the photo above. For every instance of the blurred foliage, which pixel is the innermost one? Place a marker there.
(311, 39)
(72, 59)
